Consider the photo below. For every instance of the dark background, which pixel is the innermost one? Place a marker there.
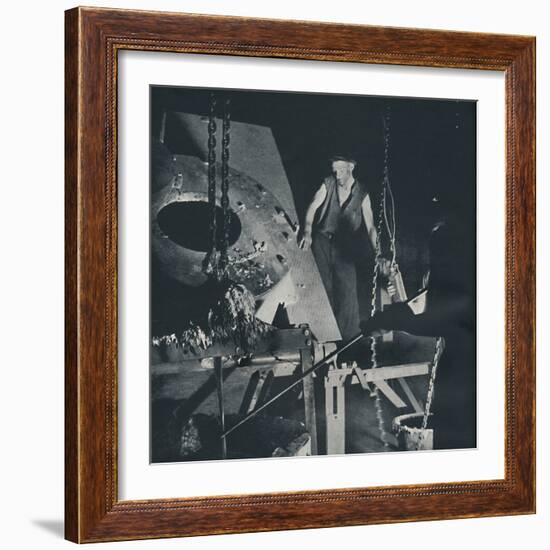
(432, 152)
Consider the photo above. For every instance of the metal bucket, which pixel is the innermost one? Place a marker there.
(410, 435)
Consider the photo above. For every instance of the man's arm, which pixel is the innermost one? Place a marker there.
(318, 199)
(366, 208)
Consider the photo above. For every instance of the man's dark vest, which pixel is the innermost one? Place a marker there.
(346, 219)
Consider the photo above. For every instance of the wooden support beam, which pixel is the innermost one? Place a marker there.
(335, 412)
(396, 371)
(388, 373)
(335, 398)
(251, 393)
(218, 369)
(309, 398)
(385, 388)
(408, 392)
(265, 388)
(382, 373)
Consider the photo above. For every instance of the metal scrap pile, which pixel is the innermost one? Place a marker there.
(231, 318)
(245, 267)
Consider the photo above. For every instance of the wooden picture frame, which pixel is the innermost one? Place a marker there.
(93, 511)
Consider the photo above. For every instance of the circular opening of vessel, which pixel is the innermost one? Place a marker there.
(188, 224)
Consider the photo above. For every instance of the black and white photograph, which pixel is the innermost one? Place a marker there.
(313, 274)
(277, 278)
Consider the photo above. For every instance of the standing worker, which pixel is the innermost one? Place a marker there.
(332, 229)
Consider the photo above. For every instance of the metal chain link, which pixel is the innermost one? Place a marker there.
(378, 256)
(439, 348)
(210, 262)
(225, 186)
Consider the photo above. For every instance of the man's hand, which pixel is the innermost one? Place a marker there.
(390, 287)
(384, 266)
(305, 240)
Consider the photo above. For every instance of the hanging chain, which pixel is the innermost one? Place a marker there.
(378, 256)
(212, 127)
(210, 266)
(225, 186)
(439, 348)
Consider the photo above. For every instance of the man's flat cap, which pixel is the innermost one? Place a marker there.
(344, 157)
